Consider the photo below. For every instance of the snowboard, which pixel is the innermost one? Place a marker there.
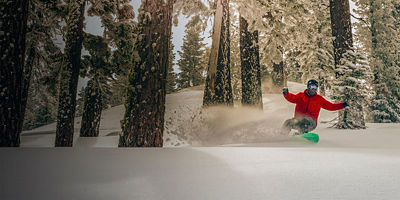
(310, 137)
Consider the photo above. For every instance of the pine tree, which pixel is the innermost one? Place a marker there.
(120, 33)
(378, 33)
(192, 49)
(314, 56)
(352, 85)
(70, 73)
(143, 123)
(349, 75)
(171, 76)
(42, 60)
(13, 24)
(99, 70)
(218, 89)
(250, 65)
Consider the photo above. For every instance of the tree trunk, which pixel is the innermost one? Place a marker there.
(251, 68)
(93, 106)
(13, 23)
(351, 117)
(341, 28)
(143, 123)
(69, 74)
(218, 89)
(278, 78)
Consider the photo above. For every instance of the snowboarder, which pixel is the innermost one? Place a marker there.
(308, 105)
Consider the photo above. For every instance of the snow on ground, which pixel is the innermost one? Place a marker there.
(226, 154)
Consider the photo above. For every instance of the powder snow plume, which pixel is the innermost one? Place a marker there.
(223, 125)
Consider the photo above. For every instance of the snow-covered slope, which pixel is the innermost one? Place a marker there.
(248, 160)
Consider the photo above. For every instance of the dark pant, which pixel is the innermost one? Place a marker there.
(302, 125)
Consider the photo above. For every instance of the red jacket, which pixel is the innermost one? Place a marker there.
(307, 106)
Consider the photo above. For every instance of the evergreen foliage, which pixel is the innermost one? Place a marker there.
(190, 62)
(43, 59)
(352, 86)
(171, 76)
(379, 34)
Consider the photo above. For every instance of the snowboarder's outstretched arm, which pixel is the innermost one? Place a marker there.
(332, 106)
(289, 96)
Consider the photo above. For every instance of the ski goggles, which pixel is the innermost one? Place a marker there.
(312, 87)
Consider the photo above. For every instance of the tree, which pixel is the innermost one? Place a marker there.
(250, 63)
(143, 123)
(218, 89)
(192, 49)
(379, 35)
(70, 73)
(352, 85)
(42, 62)
(98, 70)
(13, 81)
(120, 33)
(97, 64)
(314, 56)
(349, 75)
(171, 76)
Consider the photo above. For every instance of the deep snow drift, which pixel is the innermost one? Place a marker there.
(249, 161)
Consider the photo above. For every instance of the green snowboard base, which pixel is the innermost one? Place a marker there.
(310, 137)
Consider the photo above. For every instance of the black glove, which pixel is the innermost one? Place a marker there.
(285, 90)
(345, 104)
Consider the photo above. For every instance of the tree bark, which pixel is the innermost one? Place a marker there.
(251, 68)
(69, 74)
(351, 117)
(218, 89)
(93, 106)
(278, 77)
(143, 123)
(13, 24)
(341, 28)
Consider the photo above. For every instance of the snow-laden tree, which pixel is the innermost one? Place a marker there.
(218, 88)
(143, 123)
(69, 73)
(350, 73)
(190, 57)
(283, 27)
(13, 25)
(43, 58)
(250, 66)
(99, 70)
(352, 86)
(117, 19)
(315, 54)
(379, 33)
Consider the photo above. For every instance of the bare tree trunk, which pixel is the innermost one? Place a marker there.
(251, 68)
(93, 107)
(143, 124)
(69, 74)
(218, 89)
(13, 24)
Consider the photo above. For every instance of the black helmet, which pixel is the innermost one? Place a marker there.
(312, 82)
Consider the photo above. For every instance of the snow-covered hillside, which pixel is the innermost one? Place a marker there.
(226, 154)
